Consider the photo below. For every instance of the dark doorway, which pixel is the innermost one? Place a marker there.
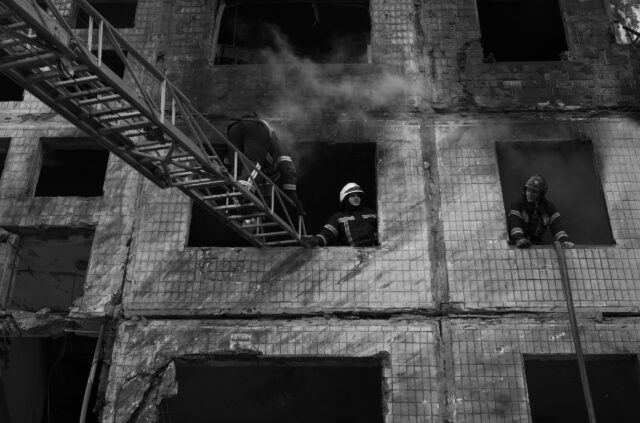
(521, 30)
(45, 379)
(71, 167)
(283, 390)
(10, 91)
(52, 268)
(111, 59)
(555, 390)
(572, 175)
(119, 13)
(323, 31)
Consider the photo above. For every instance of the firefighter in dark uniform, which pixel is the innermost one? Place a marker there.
(530, 216)
(354, 225)
(256, 139)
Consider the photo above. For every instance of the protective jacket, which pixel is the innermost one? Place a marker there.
(260, 143)
(358, 228)
(530, 220)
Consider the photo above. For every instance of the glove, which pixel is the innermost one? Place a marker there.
(523, 243)
(310, 241)
(568, 244)
(294, 197)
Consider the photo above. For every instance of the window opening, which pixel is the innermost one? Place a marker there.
(45, 379)
(10, 90)
(323, 31)
(120, 14)
(71, 167)
(277, 390)
(4, 150)
(571, 172)
(555, 391)
(521, 30)
(323, 169)
(111, 59)
(52, 268)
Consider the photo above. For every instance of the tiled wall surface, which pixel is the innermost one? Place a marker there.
(167, 278)
(410, 371)
(487, 369)
(483, 272)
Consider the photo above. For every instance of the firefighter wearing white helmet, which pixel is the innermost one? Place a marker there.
(530, 216)
(353, 225)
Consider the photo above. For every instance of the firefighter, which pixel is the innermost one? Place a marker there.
(354, 225)
(530, 216)
(256, 139)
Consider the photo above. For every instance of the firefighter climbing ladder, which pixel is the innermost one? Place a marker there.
(145, 120)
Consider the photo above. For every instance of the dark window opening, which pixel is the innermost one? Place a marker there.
(555, 390)
(323, 169)
(120, 14)
(52, 268)
(45, 379)
(277, 390)
(111, 59)
(4, 150)
(521, 30)
(71, 167)
(10, 90)
(572, 175)
(324, 32)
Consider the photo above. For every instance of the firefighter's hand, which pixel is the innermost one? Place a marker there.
(568, 244)
(310, 241)
(523, 243)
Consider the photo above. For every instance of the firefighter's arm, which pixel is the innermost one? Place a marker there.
(515, 226)
(557, 227)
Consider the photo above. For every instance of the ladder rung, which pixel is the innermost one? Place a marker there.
(235, 206)
(56, 73)
(26, 62)
(127, 116)
(76, 81)
(9, 43)
(260, 225)
(223, 196)
(199, 184)
(153, 147)
(98, 100)
(287, 241)
(99, 113)
(87, 93)
(267, 234)
(245, 216)
(124, 128)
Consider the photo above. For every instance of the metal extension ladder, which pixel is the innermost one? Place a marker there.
(145, 121)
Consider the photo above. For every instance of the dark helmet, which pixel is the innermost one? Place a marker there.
(537, 182)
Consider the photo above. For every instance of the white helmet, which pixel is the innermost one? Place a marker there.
(350, 188)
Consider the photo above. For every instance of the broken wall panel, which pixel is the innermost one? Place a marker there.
(488, 366)
(405, 350)
(483, 271)
(170, 279)
(111, 218)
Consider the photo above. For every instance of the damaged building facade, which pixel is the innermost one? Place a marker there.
(440, 109)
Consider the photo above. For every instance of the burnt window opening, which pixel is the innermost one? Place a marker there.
(10, 91)
(571, 172)
(555, 390)
(323, 169)
(45, 379)
(323, 31)
(71, 167)
(521, 30)
(119, 13)
(283, 390)
(52, 268)
(4, 150)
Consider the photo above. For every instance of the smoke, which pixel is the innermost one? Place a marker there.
(313, 88)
